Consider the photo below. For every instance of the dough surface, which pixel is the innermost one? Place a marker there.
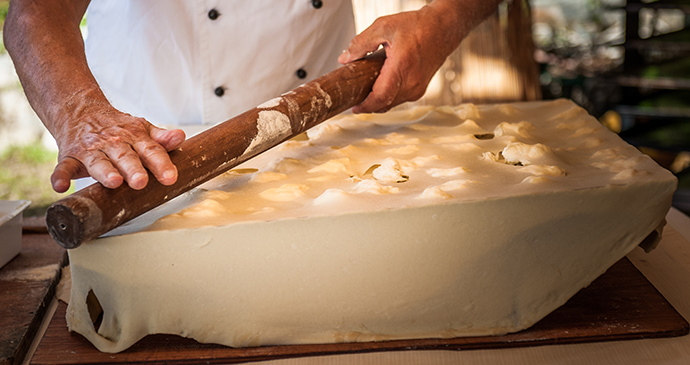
(428, 222)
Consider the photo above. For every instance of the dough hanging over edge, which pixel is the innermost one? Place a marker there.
(490, 224)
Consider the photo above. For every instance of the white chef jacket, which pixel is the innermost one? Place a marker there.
(201, 62)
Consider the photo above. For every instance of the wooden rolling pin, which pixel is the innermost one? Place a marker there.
(95, 210)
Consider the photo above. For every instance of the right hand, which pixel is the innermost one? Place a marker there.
(113, 147)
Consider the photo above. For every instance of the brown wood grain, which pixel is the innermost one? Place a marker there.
(27, 284)
(620, 305)
(34, 225)
(95, 210)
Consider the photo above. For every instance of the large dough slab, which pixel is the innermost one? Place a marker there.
(313, 243)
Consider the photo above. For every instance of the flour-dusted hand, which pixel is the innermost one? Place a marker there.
(416, 44)
(113, 147)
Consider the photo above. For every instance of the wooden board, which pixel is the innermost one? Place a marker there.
(620, 305)
(27, 285)
(34, 225)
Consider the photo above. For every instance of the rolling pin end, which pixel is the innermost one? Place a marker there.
(64, 226)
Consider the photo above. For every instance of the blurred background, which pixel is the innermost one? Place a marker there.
(626, 62)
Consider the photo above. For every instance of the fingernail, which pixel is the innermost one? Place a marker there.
(344, 56)
(168, 174)
(112, 175)
(138, 176)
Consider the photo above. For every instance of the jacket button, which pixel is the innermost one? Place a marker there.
(301, 73)
(213, 14)
(317, 4)
(219, 91)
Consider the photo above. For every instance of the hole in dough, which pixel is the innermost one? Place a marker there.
(370, 170)
(95, 310)
(652, 240)
(484, 136)
(243, 171)
(503, 160)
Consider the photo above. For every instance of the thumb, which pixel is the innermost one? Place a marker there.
(364, 43)
(65, 171)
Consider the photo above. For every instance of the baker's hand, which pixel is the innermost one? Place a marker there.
(415, 49)
(416, 44)
(113, 147)
(93, 137)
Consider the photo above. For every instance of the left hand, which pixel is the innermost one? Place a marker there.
(416, 44)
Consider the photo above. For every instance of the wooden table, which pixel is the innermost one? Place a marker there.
(668, 268)
(27, 284)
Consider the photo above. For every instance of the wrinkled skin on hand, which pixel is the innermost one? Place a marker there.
(46, 45)
(416, 44)
(113, 147)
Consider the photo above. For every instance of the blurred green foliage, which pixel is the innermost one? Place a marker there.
(674, 99)
(25, 174)
(4, 6)
(676, 69)
(28, 154)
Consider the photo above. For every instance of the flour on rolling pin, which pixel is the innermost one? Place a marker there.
(273, 127)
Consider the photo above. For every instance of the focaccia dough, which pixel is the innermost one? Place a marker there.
(446, 222)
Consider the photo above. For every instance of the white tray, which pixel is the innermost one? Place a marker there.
(11, 229)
